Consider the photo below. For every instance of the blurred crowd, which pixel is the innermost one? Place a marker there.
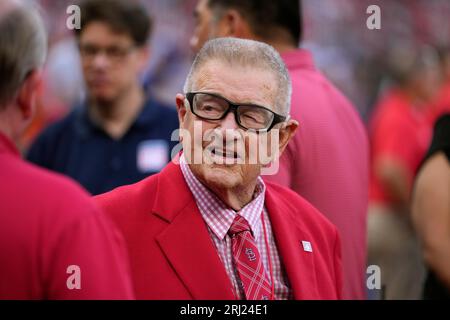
(359, 61)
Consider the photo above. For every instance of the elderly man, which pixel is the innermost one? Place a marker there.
(54, 243)
(210, 228)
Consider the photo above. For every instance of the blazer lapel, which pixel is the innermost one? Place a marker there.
(298, 263)
(186, 242)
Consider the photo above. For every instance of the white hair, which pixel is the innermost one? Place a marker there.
(242, 52)
(23, 45)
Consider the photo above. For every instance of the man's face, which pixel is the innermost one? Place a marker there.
(111, 62)
(205, 26)
(425, 81)
(241, 85)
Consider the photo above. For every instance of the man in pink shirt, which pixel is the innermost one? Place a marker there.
(54, 243)
(327, 162)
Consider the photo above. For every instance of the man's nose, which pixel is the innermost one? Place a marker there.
(229, 122)
(100, 60)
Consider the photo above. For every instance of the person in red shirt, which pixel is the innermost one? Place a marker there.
(54, 242)
(401, 131)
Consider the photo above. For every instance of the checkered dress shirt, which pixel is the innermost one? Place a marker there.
(219, 217)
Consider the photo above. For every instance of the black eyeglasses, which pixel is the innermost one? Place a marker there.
(210, 106)
(114, 53)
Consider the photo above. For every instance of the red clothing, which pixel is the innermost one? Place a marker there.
(47, 224)
(219, 218)
(401, 133)
(173, 256)
(327, 162)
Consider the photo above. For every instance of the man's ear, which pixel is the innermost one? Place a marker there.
(144, 57)
(286, 132)
(26, 97)
(234, 25)
(181, 108)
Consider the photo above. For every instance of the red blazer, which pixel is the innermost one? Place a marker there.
(173, 257)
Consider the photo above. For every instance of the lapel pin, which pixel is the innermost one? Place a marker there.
(307, 246)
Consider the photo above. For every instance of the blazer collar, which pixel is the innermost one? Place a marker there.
(186, 242)
(188, 247)
(289, 234)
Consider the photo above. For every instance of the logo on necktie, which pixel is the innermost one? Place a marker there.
(250, 254)
(248, 261)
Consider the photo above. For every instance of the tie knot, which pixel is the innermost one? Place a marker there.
(239, 225)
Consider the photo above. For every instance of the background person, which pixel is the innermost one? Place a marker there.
(118, 135)
(47, 223)
(431, 211)
(400, 132)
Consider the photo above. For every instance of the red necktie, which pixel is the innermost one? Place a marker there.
(248, 262)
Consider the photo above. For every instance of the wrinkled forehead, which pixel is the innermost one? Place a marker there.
(250, 84)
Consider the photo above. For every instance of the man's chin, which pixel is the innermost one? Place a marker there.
(102, 97)
(221, 175)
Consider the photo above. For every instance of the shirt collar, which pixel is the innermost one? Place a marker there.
(7, 146)
(217, 215)
(298, 58)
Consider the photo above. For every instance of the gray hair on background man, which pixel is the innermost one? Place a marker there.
(23, 45)
(246, 53)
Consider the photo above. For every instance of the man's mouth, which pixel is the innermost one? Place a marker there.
(225, 154)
